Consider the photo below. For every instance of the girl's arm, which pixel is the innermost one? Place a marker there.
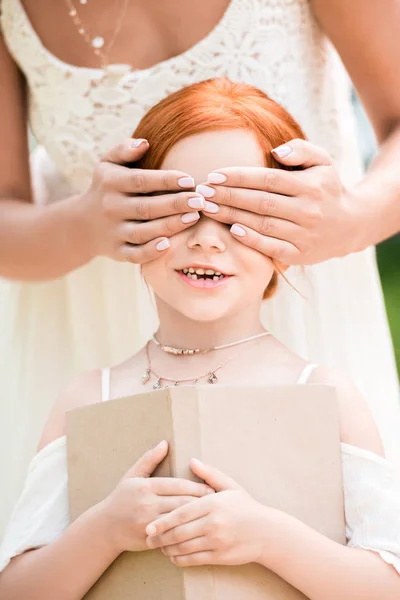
(67, 568)
(323, 569)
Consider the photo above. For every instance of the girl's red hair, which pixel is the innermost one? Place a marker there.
(210, 105)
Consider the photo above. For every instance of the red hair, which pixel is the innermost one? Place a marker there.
(211, 105)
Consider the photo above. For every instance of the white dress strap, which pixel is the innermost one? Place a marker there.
(105, 384)
(306, 373)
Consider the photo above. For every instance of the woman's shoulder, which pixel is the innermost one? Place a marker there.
(357, 425)
(82, 391)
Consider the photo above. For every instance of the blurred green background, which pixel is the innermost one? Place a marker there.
(388, 253)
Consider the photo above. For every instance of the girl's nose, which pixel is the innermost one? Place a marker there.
(206, 235)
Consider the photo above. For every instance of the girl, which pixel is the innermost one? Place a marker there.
(209, 289)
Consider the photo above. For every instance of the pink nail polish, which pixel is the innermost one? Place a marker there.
(162, 245)
(205, 191)
(190, 217)
(216, 178)
(197, 202)
(211, 207)
(186, 182)
(237, 230)
(283, 151)
(137, 143)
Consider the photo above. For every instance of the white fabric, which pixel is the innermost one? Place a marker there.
(101, 313)
(371, 493)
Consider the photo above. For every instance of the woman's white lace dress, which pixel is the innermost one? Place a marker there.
(101, 313)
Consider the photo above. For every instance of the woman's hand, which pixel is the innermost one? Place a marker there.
(124, 224)
(296, 217)
(219, 529)
(139, 499)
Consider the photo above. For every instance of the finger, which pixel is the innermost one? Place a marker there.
(199, 544)
(196, 559)
(301, 153)
(279, 181)
(279, 250)
(167, 504)
(256, 201)
(147, 208)
(128, 151)
(149, 461)
(184, 514)
(265, 225)
(136, 232)
(179, 534)
(174, 486)
(144, 181)
(143, 254)
(214, 477)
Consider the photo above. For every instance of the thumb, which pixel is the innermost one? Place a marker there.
(301, 153)
(145, 466)
(126, 152)
(215, 478)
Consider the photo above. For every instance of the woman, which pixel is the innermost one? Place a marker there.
(209, 289)
(90, 311)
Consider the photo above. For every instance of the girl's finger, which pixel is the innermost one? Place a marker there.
(199, 544)
(278, 181)
(167, 504)
(177, 535)
(301, 153)
(174, 486)
(280, 250)
(136, 232)
(195, 559)
(215, 478)
(191, 512)
(149, 461)
(264, 225)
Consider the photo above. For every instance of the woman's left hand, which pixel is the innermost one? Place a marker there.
(223, 529)
(296, 217)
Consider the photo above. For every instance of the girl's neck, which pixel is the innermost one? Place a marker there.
(180, 331)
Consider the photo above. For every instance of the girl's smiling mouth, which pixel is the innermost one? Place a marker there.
(203, 277)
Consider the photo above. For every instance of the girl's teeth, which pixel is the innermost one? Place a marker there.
(200, 271)
(191, 270)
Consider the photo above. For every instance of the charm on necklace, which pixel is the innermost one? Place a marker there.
(212, 378)
(146, 376)
(157, 385)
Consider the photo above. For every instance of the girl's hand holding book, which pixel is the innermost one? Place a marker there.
(224, 528)
(140, 499)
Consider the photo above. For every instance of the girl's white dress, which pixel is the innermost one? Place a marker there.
(371, 488)
(101, 313)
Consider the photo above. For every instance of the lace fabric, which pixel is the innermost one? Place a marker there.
(78, 113)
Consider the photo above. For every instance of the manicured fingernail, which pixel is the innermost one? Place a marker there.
(205, 191)
(186, 182)
(197, 202)
(163, 441)
(283, 151)
(163, 245)
(237, 230)
(211, 207)
(190, 217)
(216, 178)
(136, 143)
(151, 530)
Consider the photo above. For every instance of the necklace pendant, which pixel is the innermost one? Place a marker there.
(212, 378)
(176, 383)
(98, 42)
(146, 376)
(157, 385)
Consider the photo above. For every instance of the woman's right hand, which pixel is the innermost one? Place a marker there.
(123, 223)
(139, 499)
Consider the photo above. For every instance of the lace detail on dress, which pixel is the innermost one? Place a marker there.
(77, 113)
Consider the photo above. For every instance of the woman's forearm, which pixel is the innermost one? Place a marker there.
(65, 569)
(321, 568)
(41, 242)
(377, 196)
